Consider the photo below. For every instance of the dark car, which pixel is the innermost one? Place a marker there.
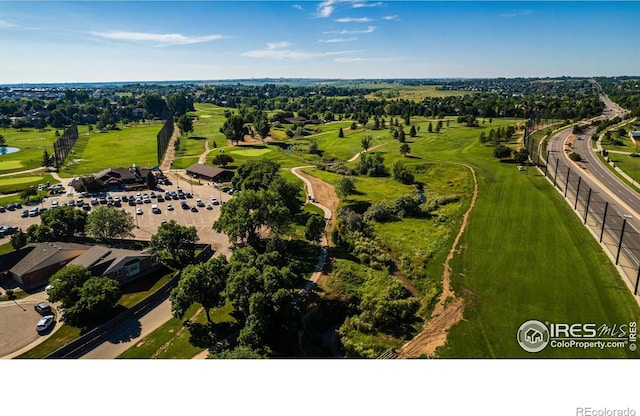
(160, 198)
(184, 205)
(125, 198)
(43, 308)
(194, 209)
(3, 209)
(25, 213)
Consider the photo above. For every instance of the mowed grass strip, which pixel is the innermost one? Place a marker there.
(118, 148)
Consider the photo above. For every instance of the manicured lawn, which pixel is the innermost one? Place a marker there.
(136, 291)
(31, 143)
(60, 338)
(183, 162)
(413, 93)
(10, 184)
(96, 151)
(250, 152)
(6, 248)
(7, 165)
(171, 340)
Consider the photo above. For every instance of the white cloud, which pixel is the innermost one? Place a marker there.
(395, 16)
(353, 19)
(278, 45)
(160, 38)
(353, 59)
(326, 8)
(370, 29)
(338, 40)
(359, 5)
(280, 51)
(517, 14)
(297, 6)
(7, 25)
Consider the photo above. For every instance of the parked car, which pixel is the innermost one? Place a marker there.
(160, 198)
(199, 203)
(94, 201)
(43, 308)
(209, 206)
(33, 212)
(184, 205)
(3, 209)
(138, 211)
(44, 323)
(169, 207)
(25, 213)
(194, 209)
(155, 209)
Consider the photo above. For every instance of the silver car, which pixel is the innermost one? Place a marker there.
(44, 323)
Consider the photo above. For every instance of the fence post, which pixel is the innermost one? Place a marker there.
(555, 175)
(586, 210)
(566, 184)
(604, 219)
(624, 224)
(546, 163)
(575, 206)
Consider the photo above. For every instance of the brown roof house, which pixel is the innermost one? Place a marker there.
(209, 173)
(120, 178)
(120, 264)
(39, 261)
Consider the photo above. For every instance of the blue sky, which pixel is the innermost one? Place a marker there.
(144, 40)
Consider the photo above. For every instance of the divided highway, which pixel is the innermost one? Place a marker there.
(599, 190)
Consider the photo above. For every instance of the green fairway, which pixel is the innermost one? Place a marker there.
(32, 144)
(10, 184)
(118, 148)
(250, 152)
(6, 165)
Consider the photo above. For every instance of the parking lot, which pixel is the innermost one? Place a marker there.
(147, 223)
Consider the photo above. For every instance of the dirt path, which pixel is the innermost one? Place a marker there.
(368, 150)
(202, 159)
(323, 193)
(449, 309)
(22, 172)
(170, 154)
(324, 197)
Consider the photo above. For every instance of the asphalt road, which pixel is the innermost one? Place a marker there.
(591, 174)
